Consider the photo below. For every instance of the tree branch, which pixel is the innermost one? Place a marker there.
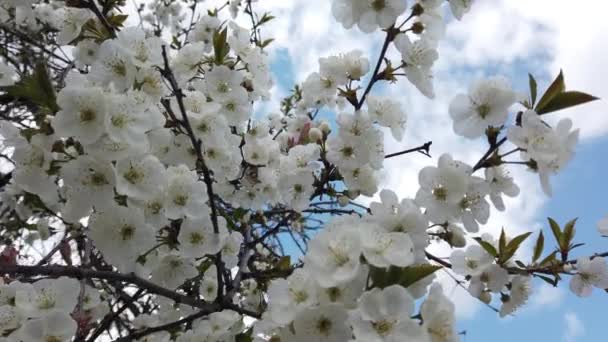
(80, 273)
(424, 149)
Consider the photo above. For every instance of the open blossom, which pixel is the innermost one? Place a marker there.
(89, 184)
(121, 234)
(590, 273)
(471, 261)
(387, 113)
(185, 195)
(419, 57)
(82, 114)
(139, 176)
(492, 278)
(197, 238)
(10, 318)
(501, 183)
(172, 270)
(204, 29)
(324, 324)
(368, 14)
(47, 296)
(383, 249)
(290, 296)
(57, 326)
(333, 256)
(474, 208)
(128, 120)
(521, 289)
(437, 313)
(384, 315)
(71, 24)
(550, 148)
(486, 105)
(114, 65)
(402, 217)
(442, 188)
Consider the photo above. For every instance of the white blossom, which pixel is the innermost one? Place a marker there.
(590, 273)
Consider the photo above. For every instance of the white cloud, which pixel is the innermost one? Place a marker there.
(546, 296)
(574, 327)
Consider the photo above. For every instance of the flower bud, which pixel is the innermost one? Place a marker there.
(296, 226)
(343, 201)
(485, 297)
(457, 238)
(324, 127)
(418, 28)
(315, 134)
(568, 268)
(417, 10)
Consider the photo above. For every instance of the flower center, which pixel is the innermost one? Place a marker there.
(133, 176)
(98, 179)
(87, 115)
(180, 200)
(196, 238)
(127, 232)
(119, 69)
(378, 5)
(483, 110)
(440, 193)
(324, 325)
(383, 327)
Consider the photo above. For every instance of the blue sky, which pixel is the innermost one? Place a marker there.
(579, 192)
(510, 38)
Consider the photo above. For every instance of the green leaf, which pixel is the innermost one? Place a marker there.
(266, 42)
(502, 242)
(414, 273)
(487, 246)
(558, 86)
(557, 232)
(36, 88)
(513, 245)
(404, 276)
(539, 247)
(517, 241)
(552, 282)
(266, 18)
(117, 20)
(220, 45)
(565, 100)
(284, 263)
(568, 234)
(549, 259)
(533, 90)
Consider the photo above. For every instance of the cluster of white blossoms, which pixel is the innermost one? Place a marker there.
(47, 310)
(157, 161)
(331, 297)
(547, 148)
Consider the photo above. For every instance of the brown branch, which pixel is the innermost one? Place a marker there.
(110, 317)
(391, 33)
(167, 73)
(424, 149)
(480, 164)
(80, 273)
